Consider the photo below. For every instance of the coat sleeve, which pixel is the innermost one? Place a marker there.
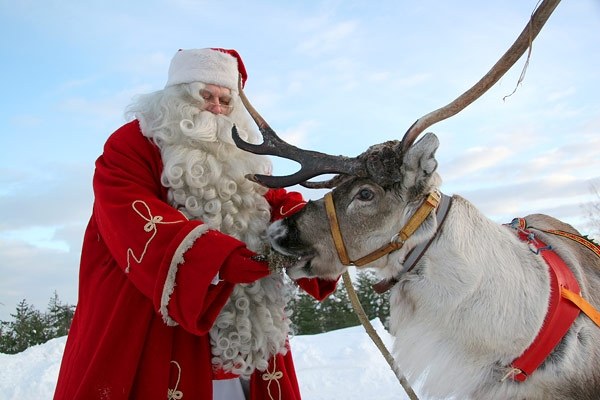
(170, 259)
(284, 204)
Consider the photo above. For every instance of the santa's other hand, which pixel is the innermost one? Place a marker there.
(240, 267)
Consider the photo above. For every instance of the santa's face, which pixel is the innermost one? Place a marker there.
(217, 99)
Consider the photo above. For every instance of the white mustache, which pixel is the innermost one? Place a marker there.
(208, 127)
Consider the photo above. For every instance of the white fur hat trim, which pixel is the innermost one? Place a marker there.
(211, 66)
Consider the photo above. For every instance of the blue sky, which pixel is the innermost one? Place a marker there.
(336, 76)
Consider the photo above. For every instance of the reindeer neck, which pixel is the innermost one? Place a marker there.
(478, 281)
(414, 255)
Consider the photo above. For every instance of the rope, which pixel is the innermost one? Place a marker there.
(362, 316)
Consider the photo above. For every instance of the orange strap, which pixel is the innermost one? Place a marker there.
(397, 241)
(575, 298)
(430, 203)
(582, 304)
(335, 230)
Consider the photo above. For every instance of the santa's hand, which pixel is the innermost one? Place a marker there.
(278, 262)
(240, 267)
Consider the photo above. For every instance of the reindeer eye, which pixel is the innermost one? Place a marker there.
(365, 194)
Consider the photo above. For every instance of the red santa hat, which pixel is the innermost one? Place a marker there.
(221, 67)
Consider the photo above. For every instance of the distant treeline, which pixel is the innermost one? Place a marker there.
(335, 312)
(31, 326)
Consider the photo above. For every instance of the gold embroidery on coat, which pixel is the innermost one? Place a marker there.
(271, 376)
(150, 226)
(174, 394)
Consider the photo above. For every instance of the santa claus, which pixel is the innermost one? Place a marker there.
(172, 304)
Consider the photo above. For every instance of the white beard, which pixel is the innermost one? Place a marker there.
(205, 173)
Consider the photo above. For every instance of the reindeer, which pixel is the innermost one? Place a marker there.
(476, 298)
(478, 310)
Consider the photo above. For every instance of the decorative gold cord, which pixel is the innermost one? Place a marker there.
(273, 376)
(150, 226)
(174, 394)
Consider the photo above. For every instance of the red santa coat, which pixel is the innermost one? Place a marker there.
(119, 345)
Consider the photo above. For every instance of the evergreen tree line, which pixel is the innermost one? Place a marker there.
(309, 316)
(335, 312)
(31, 326)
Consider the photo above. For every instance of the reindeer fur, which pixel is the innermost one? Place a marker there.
(473, 303)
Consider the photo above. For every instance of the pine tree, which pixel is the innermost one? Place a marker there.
(305, 318)
(337, 311)
(59, 316)
(375, 305)
(7, 338)
(31, 327)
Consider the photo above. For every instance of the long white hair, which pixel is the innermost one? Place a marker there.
(205, 174)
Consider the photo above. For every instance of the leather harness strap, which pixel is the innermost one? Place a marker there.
(575, 298)
(582, 240)
(413, 256)
(565, 305)
(334, 227)
(395, 243)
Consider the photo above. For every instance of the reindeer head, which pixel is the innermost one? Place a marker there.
(373, 195)
(370, 211)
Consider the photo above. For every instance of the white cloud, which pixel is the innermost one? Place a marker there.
(476, 159)
(298, 135)
(26, 121)
(331, 39)
(561, 94)
(34, 273)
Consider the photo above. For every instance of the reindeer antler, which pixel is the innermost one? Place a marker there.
(524, 41)
(314, 163)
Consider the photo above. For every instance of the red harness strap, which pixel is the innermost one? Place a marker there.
(561, 311)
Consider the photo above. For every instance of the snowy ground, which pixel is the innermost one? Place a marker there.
(342, 364)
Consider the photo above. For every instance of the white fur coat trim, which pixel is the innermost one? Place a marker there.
(177, 260)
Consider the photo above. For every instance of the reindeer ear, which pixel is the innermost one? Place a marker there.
(430, 145)
(419, 165)
(421, 155)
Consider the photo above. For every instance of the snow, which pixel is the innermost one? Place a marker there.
(32, 373)
(342, 364)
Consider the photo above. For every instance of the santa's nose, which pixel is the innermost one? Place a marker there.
(216, 108)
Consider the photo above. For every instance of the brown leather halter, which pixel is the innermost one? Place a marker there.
(395, 243)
